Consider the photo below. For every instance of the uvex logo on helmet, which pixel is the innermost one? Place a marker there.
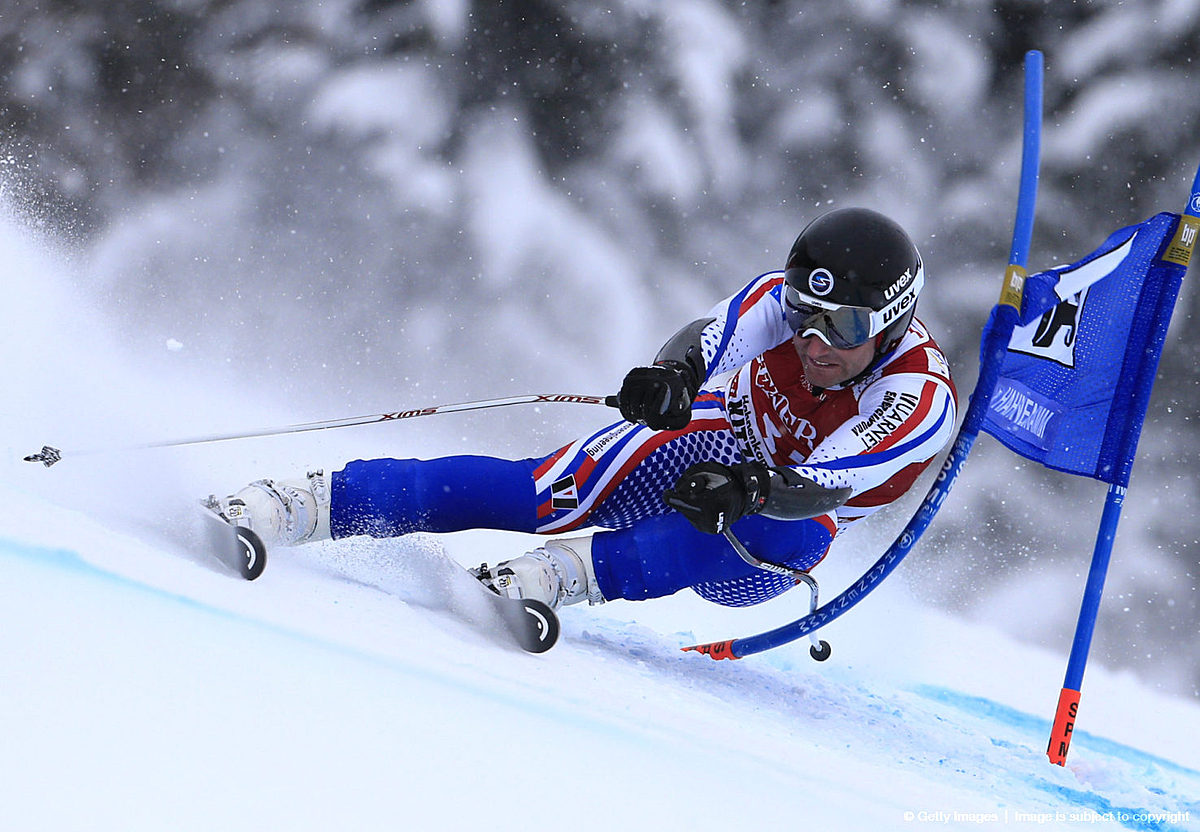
(901, 296)
(905, 279)
(893, 311)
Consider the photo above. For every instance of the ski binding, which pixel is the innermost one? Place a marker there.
(238, 547)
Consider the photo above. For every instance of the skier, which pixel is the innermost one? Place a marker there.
(806, 401)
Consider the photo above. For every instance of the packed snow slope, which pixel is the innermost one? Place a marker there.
(355, 686)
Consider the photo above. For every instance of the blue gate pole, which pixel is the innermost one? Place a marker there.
(1068, 698)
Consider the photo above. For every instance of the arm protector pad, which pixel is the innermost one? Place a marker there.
(796, 497)
(684, 348)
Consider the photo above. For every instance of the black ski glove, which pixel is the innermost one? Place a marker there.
(659, 397)
(713, 496)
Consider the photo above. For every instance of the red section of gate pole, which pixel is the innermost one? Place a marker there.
(1064, 726)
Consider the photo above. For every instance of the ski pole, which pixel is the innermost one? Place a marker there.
(820, 649)
(49, 455)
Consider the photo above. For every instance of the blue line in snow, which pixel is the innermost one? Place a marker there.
(1130, 818)
(1036, 725)
(70, 561)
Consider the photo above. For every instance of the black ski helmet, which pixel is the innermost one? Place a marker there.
(853, 275)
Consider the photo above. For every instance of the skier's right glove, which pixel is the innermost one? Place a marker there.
(713, 496)
(659, 397)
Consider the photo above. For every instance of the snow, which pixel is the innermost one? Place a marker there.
(348, 101)
(338, 690)
(1105, 108)
(708, 51)
(951, 71)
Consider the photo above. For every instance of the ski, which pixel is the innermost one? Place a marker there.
(532, 624)
(237, 547)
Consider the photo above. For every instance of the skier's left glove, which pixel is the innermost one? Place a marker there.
(659, 397)
(713, 496)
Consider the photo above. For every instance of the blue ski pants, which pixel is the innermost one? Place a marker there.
(612, 481)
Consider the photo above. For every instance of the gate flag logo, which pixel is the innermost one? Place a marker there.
(1076, 378)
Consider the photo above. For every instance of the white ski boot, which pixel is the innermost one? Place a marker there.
(559, 573)
(282, 512)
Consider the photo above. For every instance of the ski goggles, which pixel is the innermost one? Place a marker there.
(841, 327)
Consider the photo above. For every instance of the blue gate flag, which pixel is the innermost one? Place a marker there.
(1076, 378)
